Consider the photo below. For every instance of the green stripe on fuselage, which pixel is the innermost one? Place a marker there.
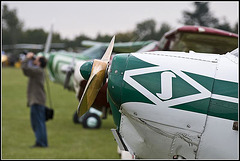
(211, 106)
(137, 63)
(129, 93)
(50, 65)
(223, 109)
(61, 56)
(225, 88)
(206, 82)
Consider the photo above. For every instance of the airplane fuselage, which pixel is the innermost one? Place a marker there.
(57, 62)
(175, 104)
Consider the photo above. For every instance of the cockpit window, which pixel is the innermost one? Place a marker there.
(95, 52)
(203, 43)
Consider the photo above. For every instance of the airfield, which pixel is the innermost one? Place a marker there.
(172, 90)
(66, 139)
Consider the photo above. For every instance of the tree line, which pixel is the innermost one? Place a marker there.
(13, 33)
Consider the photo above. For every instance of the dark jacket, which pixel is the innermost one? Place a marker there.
(35, 90)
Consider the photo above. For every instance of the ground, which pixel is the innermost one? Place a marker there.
(66, 139)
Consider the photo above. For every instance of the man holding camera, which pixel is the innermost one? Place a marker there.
(33, 68)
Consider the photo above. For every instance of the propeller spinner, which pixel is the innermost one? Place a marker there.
(95, 80)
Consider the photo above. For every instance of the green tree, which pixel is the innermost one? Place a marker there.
(162, 30)
(34, 36)
(235, 28)
(201, 16)
(224, 26)
(56, 38)
(125, 36)
(73, 44)
(103, 38)
(145, 30)
(78, 40)
(11, 27)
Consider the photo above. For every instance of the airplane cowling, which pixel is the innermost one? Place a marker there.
(115, 81)
(115, 77)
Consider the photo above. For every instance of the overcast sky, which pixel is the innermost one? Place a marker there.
(72, 18)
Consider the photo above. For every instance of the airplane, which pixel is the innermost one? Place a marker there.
(183, 38)
(169, 104)
(63, 68)
(198, 39)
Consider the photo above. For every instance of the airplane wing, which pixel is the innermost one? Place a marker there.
(32, 46)
(89, 43)
(23, 46)
(130, 46)
(120, 47)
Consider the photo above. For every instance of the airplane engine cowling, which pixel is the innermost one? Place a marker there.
(115, 82)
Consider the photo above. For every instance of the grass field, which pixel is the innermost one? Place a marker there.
(66, 140)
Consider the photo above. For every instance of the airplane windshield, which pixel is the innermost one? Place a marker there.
(203, 43)
(95, 52)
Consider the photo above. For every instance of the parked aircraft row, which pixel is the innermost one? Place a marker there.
(168, 104)
(186, 38)
(63, 67)
(170, 99)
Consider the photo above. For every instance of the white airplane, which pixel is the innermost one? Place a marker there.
(169, 104)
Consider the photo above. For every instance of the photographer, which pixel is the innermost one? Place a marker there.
(33, 68)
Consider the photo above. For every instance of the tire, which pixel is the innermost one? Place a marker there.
(91, 121)
(76, 119)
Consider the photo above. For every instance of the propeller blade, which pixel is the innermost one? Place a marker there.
(107, 54)
(95, 81)
(93, 86)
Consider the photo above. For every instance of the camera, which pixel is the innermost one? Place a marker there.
(25, 53)
(34, 57)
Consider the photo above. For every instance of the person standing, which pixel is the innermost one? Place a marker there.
(33, 68)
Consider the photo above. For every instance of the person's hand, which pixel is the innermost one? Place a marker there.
(30, 55)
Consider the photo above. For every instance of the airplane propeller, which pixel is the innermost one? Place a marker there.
(69, 72)
(95, 81)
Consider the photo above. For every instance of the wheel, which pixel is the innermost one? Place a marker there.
(91, 121)
(77, 119)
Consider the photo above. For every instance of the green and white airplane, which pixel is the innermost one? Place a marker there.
(169, 104)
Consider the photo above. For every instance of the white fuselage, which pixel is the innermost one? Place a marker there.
(160, 131)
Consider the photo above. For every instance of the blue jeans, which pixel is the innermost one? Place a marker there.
(38, 124)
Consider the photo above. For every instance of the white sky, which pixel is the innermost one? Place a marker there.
(72, 18)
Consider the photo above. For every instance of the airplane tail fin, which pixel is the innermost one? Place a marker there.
(49, 41)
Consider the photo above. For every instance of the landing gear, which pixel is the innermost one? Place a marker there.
(88, 120)
(91, 120)
(76, 119)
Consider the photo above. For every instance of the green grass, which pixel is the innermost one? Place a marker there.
(66, 140)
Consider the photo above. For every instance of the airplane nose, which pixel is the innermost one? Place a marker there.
(86, 69)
